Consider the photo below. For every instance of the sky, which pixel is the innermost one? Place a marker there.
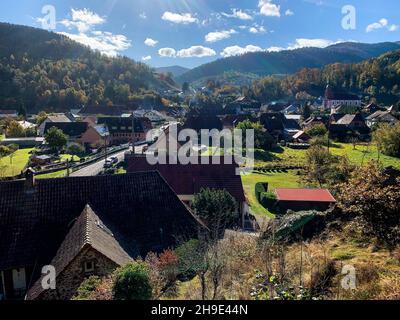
(193, 32)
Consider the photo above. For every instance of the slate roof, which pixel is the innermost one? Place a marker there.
(141, 209)
(189, 179)
(71, 129)
(350, 118)
(87, 231)
(61, 117)
(124, 125)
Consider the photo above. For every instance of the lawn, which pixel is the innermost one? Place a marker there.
(276, 180)
(19, 161)
(361, 155)
(65, 157)
(57, 174)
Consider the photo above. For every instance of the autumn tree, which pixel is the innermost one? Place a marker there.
(262, 139)
(56, 139)
(387, 138)
(373, 194)
(217, 208)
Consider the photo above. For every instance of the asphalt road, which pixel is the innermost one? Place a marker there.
(95, 168)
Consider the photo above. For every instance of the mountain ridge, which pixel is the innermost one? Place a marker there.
(289, 61)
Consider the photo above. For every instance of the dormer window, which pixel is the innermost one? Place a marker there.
(88, 266)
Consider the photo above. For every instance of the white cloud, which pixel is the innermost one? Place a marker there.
(237, 50)
(275, 49)
(143, 15)
(219, 35)
(239, 14)
(257, 29)
(378, 25)
(269, 9)
(83, 20)
(106, 42)
(150, 42)
(184, 18)
(167, 52)
(196, 51)
(289, 12)
(146, 58)
(393, 27)
(304, 43)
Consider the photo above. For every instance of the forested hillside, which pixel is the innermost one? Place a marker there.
(44, 70)
(289, 61)
(378, 77)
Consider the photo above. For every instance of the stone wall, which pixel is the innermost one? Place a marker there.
(71, 278)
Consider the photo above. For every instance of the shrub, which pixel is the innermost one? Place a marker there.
(260, 187)
(317, 130)
(190, 258)
(87, 288)
(268, 199)
(75, 149)
(132, 282)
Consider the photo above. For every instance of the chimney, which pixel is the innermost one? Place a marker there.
(29, 180)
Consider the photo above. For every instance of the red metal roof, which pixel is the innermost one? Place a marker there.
(311, 195)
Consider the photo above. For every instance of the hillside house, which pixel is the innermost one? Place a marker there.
(126, 129)
(381, 117)
(53, 118)
(74, 130)
(95, 135)
(188, 179)
(83, 226)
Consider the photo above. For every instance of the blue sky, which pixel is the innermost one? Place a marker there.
(193, 32)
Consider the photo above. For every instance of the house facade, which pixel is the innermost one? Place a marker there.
(126, 129)
(334, 99)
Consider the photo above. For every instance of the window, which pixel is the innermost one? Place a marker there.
(88, 266)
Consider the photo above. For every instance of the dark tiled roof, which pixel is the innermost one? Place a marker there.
(87, 231)
(203, 122)
(116, 110)
(124, 124)
(71, 129)
(230, 120)
(273, 121)
(333, 94)
(8, 112)
(191, 178)
(34, 221)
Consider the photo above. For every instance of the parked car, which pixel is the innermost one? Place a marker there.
(114, 160)
(108, 163)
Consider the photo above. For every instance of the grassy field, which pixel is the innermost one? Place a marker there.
(19, 161)
(361, 155)
(57, 174)
(276, 180)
